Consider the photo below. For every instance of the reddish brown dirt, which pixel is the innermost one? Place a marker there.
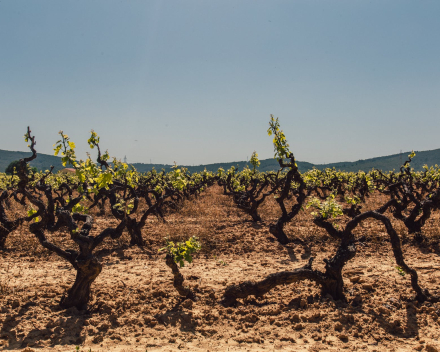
(136, 308)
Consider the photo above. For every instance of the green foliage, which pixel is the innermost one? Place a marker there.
(400, 271)
(407, 165)
(182, 251)
(67, 149)
(177, 178)
(88, 172)
(31, 212)
(281, 147)
(220, 261)
(93, 140)
(80, 208)
(328, 209)
(77, 349)
(355, 200)
(254, 160)
(125, 206)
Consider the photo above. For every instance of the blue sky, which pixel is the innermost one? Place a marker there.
(195, 81)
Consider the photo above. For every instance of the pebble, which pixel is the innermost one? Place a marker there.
(188, 304)
(367, 287)
(431, 348)
(343, 336)
(355, 279)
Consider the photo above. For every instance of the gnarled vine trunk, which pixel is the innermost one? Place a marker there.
(178, 279)
(79, 294)
(277, 230)
(134, 229)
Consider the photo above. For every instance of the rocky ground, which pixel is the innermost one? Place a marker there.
(136, 308)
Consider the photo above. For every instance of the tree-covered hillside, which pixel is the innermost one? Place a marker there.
(42, 162)
(390, 162)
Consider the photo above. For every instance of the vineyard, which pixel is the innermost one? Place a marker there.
(110, 259)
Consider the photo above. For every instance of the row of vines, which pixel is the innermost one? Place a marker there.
(54, 204)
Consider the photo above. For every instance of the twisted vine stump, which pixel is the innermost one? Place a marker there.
(79, 294)
(293, 175)
(331, 281)
(259, 288)
(185, 292)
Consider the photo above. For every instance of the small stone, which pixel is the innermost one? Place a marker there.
(395, 302)
(295, 318)
(367, 287)
(418, 347)
(159, 293)
(295, 302)
(431, 348)
(384, 310)
(343, 336)
(98, 339)
(355, 279)
(188, 304)
(150, 320)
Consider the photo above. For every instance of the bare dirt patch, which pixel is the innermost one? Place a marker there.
(136, 308)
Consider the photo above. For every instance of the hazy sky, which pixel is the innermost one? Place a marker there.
(195, 81)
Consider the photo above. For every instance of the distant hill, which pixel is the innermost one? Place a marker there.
(386, 163)
(42, 162)
(266, 165)
(390, 162)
